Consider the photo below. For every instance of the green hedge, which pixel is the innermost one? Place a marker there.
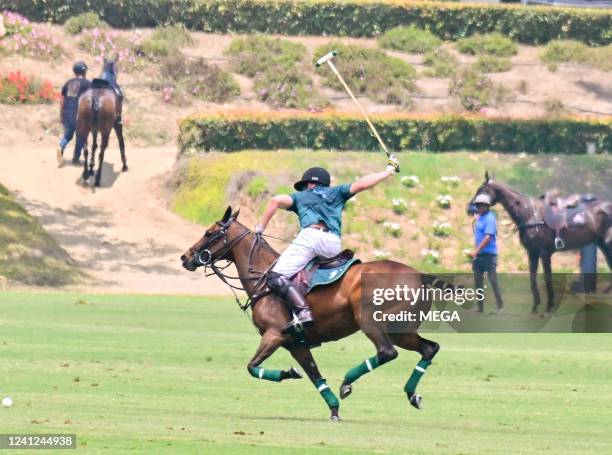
(326, 17)
(437, 134)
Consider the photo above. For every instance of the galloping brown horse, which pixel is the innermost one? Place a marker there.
(98, 113)
(539, 240)
(336, 307)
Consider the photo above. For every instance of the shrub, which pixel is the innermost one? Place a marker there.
(278, 68)
(16, 88)
(370, 72)
(175, 34)
(99, 42)
(256, 54)
(399, 206)
(430, 256)
(85, 21)
(34, 43)
(273, 130)
(15, 23)
(182, 77)
(492, 64)
(409, 181)
(288, 88)
(350, 17)
(473, 89)
(440, 63)
(444, 201)
(409, 39)
(441, 229)
(164, 41)
(491, 43)
(557, 52)
(393, 229)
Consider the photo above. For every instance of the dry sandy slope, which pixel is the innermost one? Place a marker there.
(121, 234)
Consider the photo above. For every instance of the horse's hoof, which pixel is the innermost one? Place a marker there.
(335, 417)
(550, 309)
(97, 184)
(416, 400)
(345, 390)
(534, 311)
(294, 373)
(124, 168)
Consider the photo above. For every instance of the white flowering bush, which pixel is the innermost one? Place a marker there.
(399, 206)
(441, 229)
(451, 180)
(430, 255)
(409, 181)
(444, 201)
(381, 255)
(393, 229)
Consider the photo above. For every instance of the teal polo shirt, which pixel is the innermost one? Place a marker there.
(321, 204)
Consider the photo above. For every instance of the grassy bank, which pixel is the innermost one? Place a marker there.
(168, 373)
(207, 184)
(27, 253)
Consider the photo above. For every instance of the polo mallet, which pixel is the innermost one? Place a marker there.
(327, 58)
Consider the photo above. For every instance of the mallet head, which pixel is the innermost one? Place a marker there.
(325, 58)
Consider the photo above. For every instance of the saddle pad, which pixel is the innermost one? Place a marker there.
(327, 276)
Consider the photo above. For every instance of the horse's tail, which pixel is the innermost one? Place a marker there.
(436, 282)
(95, 107)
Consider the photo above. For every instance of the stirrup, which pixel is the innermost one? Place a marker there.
(559, 244)
(295, 326)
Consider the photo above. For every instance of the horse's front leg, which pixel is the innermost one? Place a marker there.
(533, 278)
(546, 260)
(270, 342)
(306, 361)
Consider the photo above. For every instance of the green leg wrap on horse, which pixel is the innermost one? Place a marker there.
(364, 367)
(268, 375)
(326, 393)
(415, 377)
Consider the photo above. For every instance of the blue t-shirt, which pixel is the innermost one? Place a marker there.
(321, 204)
(486, 224)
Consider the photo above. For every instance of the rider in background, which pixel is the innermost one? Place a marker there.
(110, 76)
(319, 208)
(69, 103)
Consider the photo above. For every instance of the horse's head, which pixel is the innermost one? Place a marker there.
(487, 189)
(110, 63)
(215, 244)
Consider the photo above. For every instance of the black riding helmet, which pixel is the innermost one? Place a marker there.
(79, 68)
(316, 175)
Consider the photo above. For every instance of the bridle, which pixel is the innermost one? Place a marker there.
(207, 259)
(525, 224)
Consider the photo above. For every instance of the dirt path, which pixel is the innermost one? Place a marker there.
(121, 234)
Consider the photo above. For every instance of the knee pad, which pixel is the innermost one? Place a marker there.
(278, 284)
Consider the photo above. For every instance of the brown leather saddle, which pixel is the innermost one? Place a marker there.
(558, 212)
(301, 280)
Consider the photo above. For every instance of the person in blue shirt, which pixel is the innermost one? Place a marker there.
(69, 104)
(319, 209)
(484, 254)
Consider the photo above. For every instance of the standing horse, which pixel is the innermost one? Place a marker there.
(336, 308)
(98, 112)
(541, 241)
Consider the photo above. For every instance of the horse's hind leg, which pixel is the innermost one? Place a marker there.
(85, 155)
(428, 349)
(534, 257)
(270, 342)
(94, 147)
(306, 361)
(550, 292)
(385, 352)
(103, 146)
(119, 131)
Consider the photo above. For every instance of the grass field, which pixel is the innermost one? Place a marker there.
(168, 373)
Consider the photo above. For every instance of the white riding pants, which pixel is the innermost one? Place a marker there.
(309, 243)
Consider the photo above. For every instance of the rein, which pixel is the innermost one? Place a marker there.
(205, 258)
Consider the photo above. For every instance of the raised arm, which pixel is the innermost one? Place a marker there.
(371, 180)
(277, 202)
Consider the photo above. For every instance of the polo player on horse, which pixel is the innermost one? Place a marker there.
(319, 208)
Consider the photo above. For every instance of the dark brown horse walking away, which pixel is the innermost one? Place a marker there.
(98, 112)
(336, 309)
(542, 241)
